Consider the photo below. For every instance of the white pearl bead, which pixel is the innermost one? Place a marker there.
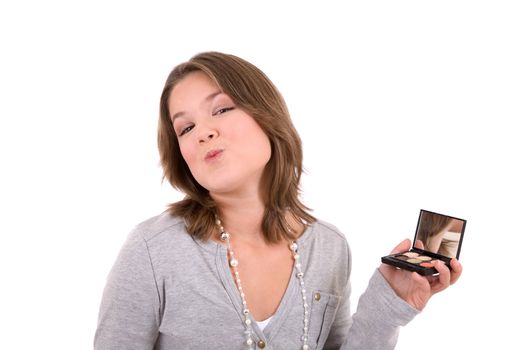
(234, 262)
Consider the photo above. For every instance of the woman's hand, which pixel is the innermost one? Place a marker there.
(414, 288)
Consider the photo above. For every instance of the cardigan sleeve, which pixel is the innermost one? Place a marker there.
(379, 315)
(129, 313)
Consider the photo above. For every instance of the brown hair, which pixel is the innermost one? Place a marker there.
(430, 225)
(253, 92)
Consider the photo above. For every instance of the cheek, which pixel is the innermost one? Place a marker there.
(187, 153)
(253, 135)
(260, 143)
(263, 148)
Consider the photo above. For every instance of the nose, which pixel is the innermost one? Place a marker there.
(207, 134)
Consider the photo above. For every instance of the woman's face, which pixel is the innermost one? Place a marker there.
(225, 149)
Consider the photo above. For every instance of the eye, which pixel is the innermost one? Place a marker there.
(185, 130)
(222, 110)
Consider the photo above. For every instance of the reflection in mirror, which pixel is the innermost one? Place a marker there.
(440, 234)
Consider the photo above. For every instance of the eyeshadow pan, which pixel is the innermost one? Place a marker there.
(426, 264)
(424, 258)
(411, 254)
(414, 261)
(402, 257)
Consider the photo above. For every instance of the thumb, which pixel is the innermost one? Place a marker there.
(401, 247)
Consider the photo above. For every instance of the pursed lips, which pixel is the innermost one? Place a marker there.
(213, 154)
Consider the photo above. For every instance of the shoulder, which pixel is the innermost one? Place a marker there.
(162, 242)
(158, 230)
(325, 239)
(329, 229)
(327, 234)
(155, 226)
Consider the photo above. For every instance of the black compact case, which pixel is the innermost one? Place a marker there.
(438, 237)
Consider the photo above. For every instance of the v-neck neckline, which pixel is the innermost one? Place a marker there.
(292, 289)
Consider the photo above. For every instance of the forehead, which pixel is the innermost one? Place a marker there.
(192, 89)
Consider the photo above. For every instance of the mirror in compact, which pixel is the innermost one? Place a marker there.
(438, 237)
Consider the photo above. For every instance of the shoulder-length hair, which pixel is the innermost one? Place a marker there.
(253, 92)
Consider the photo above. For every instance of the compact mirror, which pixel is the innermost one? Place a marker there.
(438, 237)
(440, 234)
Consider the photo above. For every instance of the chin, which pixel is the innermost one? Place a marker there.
(226, 187)
(220, 185)
(230, 181)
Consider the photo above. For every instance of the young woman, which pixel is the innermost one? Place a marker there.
(240, 263)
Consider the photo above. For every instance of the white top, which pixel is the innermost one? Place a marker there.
(262, 324)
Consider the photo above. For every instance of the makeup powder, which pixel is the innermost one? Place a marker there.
(426, 264)
(424, 258)
(402, 257)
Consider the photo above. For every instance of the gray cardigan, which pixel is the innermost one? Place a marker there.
(169, 291)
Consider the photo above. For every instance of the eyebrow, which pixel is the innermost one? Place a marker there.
(207, 99)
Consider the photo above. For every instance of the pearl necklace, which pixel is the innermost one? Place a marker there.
(249, 342)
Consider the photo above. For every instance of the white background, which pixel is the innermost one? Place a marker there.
(401, 105)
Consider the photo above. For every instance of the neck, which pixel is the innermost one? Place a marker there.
(242, 216)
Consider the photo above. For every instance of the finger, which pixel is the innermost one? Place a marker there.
(444, 277)
(419, 244)
(457, 269)
(401, 247)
